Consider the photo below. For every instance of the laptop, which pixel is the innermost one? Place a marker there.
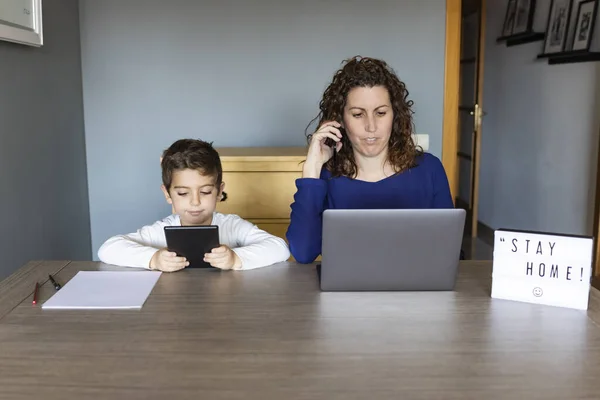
(391, 250)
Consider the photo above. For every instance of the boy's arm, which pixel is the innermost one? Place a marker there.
(257, 248)
(134, 249)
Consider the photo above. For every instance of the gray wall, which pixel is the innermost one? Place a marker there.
(236, 72)
(44, 198)
(539, 141)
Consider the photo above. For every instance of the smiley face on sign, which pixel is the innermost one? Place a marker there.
(538, 292)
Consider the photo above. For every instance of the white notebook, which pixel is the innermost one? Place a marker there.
(105, 290)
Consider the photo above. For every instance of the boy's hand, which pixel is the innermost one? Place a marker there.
(223, 257)
(167, 261)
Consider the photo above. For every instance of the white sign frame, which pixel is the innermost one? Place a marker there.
(542, 268)
(24, 35)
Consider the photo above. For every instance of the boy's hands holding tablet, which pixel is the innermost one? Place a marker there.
(167, 261)
(223, 257)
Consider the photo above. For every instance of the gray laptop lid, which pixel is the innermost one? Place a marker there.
(417, 249)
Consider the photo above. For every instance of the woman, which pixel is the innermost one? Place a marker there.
(362, 156)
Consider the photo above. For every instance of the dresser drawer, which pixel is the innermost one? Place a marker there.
(256, 195)
(260, 183)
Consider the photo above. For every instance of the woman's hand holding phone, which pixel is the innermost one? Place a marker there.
(319, 152)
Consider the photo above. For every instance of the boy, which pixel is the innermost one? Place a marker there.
(192, 183)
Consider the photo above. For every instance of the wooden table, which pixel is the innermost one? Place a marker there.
(271, 334)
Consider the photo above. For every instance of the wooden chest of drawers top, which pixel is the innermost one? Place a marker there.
(246, 159)
(260, 181)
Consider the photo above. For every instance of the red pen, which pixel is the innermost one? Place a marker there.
(35, 292)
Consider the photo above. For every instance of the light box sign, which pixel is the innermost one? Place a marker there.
(542, 268)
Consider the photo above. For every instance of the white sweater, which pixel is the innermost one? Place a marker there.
(255, 247)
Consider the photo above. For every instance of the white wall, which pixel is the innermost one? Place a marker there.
(236, 72)
(540, 135)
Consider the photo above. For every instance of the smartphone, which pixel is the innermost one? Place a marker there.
(332, 143)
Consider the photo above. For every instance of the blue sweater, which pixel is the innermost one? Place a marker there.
(424, 186)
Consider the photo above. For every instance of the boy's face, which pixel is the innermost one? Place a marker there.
(193, 196)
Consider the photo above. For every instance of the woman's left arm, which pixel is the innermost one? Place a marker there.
(442, 198)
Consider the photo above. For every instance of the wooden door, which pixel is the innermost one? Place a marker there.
(470, 112)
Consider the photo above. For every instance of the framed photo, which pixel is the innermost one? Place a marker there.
(21, 22)
(557, 27)
(524, 13)
(584, 25)
(572, 23)
(509, 18)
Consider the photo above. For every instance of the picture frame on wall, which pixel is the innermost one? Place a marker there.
(572, 23)
(523, 20)
(557, 27)
(584, 25)
(518, 19)
(21, 22)
(509, 18)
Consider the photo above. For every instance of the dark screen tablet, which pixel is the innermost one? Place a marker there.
(192, 242)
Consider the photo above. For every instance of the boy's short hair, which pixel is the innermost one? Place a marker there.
(191, 154)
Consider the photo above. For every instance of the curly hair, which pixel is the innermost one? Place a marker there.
(192, 154)
(369, 72)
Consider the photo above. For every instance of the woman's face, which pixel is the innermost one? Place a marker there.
(368, 119)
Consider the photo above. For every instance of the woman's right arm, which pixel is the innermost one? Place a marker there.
(304, 233)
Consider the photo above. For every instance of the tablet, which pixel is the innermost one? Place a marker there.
(192, 242)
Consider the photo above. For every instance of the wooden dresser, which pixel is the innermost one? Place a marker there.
(260, 184)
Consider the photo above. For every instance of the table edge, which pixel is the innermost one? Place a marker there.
(20, 284)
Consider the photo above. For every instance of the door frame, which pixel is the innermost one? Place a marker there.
(451, 93)
(450, 132)
(596, 230)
